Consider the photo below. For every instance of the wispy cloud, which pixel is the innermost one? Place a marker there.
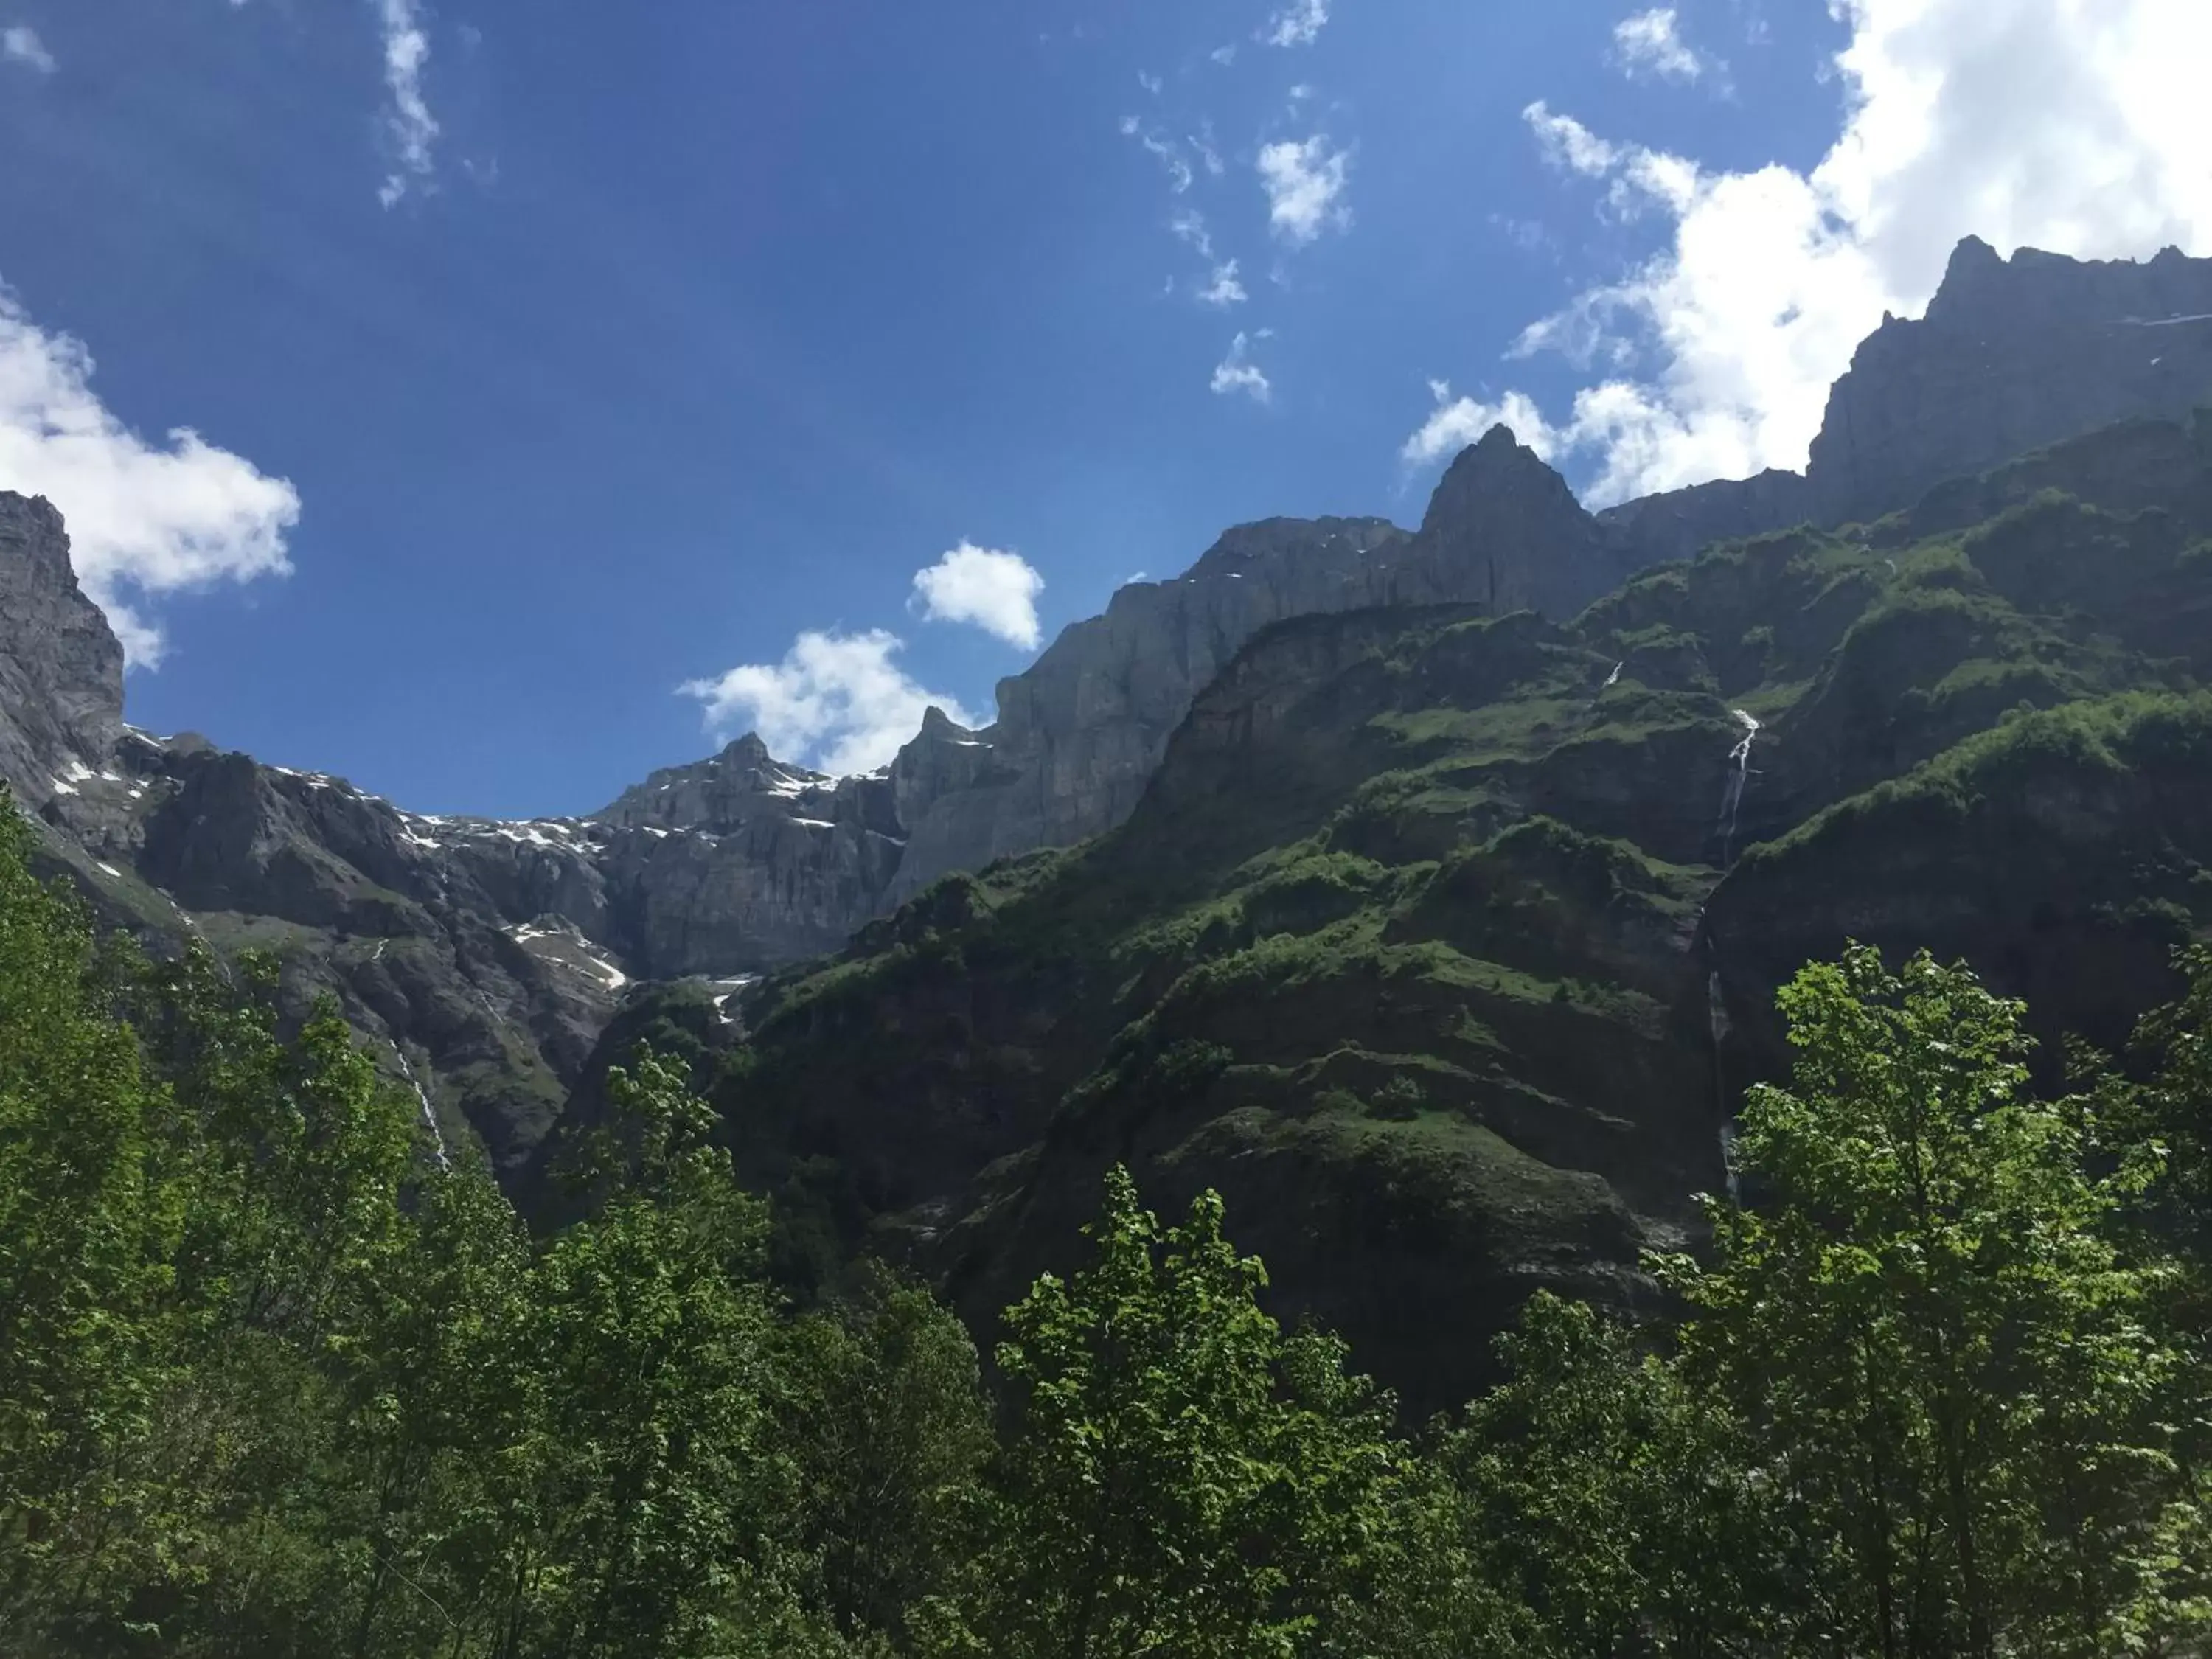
(409, 126)
(1650, 44)
(1297, 24)
(1237, 372)
(1223, 55)
(836, 701)
(1190, 225)
(145, 519)
(994, 589)
(20, 44)
(1305, 184)
(1209, 153)
(1166, 151)
(1224, 289)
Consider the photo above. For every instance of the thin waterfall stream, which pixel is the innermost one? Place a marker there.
(430, 1117)
(1739, 776)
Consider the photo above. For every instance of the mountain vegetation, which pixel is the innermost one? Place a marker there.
(1443, 944)
(1360, 1118)
(279, 1377)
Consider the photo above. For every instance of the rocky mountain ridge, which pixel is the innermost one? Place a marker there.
(1442, 944)
(490, 955)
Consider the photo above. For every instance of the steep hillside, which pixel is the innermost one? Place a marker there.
(1443, 942)
(489, 956)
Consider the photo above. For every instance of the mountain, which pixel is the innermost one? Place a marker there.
(2012, 356)
(489, 957)
(1441, 943)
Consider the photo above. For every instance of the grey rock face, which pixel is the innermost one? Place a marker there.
(1680, 523)
(1503, 530)
(61, 669)
(1079, 733)
(2012, 355)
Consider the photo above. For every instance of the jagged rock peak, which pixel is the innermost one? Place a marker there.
(1503, 530)
(2012, 356)
(61, 666)
(714, 794)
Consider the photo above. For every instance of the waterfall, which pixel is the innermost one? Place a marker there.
(430, 1117)
(1739, 775)
(1716, 1018)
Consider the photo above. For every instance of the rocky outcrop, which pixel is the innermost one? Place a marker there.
(1504, 531)
(1079, 733)
(61, 671)
(2012, 356)
(739, 862)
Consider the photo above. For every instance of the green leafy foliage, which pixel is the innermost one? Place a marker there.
(275, 1380)
(1182, 1477)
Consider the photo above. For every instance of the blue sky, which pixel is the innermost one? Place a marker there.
(564, 355)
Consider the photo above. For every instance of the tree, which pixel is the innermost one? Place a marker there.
(1613, 1504)
(1947, 1363)
(885, 1414)
(666, 1502)
(1183, 1478)
(88, 1227)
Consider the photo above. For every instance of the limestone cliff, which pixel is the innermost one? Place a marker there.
(61, 670)
(2012, 356)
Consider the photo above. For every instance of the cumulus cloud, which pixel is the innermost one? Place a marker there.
(1305, 184)
(20, 44)
(409, 126)
(994, 589)
(836, 701)
(144, 518)
(2050, 124)
(1455, 422)
(1649, 43)
(1224, 290)
(1297, 24)
(1237, 372)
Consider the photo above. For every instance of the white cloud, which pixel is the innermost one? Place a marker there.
(1150, 83)
(1305, 184)
(1455, 422)
(409, 125)
(1223, 55)
(21, 45)
(836, 701)
(1237, 372)
(1566, 143)
(1224, 290)
(1169, 156)
(1190, 225)
(994, 589)
(1208, 151)
(1297, 24)
(144, 520)
(2061, 124)
(1650, 44)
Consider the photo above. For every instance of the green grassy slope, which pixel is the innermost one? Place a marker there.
(1408, 948)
